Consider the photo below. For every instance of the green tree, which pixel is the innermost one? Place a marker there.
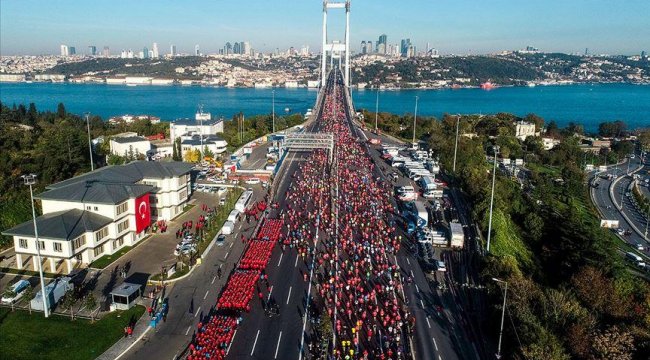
(90, 303)
(60, 111)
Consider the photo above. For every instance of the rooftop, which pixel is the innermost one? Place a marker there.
(96, 191)
(193, 122)
(130, 139)
(64, 225)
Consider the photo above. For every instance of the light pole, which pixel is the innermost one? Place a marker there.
(503, 314)
(376, 109)
(30, 180)
(90, 146)
(647, 219)
(494, 177)
(415, 118)
(273, 109)
(456, 147)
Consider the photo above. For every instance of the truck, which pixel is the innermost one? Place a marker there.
(422, 213)
(456, 235)
(228, 228)
(54, 291)
(428, 183)
(243, 200)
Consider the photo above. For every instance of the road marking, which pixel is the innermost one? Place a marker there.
(407, 260)
(269, 296)
(227, 253)
(412, 274)
(188, 330)
(231, 244)
(197, 311)
(428, 323)
(255, 343)
(289, 295)
(279, 261)
(417, 288)
(213, 279)
(220, 265)
(277, 347)
(436, 345)
(206, 294)
(231, 341)
(439, 357)
(296, 264)
(421, 303)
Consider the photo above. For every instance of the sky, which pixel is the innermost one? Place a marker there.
(29, 27)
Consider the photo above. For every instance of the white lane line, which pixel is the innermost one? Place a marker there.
(417, 288)
(277, 347)
(279, 261)
(213, 279)
(227, 253)
(206, 294)
(231, 341)
(269, 296)
(289, 295)
(220, 265)
(255, 343)
(412, 274)
(435, 344)
(231, 244)
(197, 311)
(439, 357)
(188, 330)
(407, 260)
(296, 263)
(428, 323)
(421, 303)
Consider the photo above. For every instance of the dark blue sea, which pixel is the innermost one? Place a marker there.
(586, 104)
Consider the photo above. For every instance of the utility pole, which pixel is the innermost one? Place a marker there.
(456, 147)
(494, 177)
(273, 109)
(503, 315)
(31, 180)
(90, 146)
(647, 219)
(376, 110)
(415, 118)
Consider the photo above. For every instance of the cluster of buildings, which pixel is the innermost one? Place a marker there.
(200, 133)
(99, 213)
(405, 49)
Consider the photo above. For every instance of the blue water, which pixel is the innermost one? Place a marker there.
(585, 104)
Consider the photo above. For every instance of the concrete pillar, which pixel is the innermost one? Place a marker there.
(323, 63)
(35, 262)
(52, 265)
(19, 261)
(68, 264)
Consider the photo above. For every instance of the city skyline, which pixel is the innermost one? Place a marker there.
(602, 27)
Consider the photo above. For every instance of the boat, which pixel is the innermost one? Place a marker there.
(531, 84)
(287, 109)
(487, 86)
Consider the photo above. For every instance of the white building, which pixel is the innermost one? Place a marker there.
(524, 130)
(549, 143)
(100, 212)
(213, 143)
(65, 51)
(130, 144)
(202, 125)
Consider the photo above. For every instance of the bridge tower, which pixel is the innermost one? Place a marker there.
(336, 48)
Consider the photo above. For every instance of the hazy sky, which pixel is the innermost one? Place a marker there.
(452, 26)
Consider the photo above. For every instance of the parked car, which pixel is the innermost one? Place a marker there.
(185, 249)
(222, 202)
(15, 292)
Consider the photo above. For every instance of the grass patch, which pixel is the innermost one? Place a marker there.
(8, 270)
(544, 169)
(179, 272)
(26, 336)
(507, 240)
(106, 260)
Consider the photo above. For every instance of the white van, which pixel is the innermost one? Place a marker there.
(15, 292)
(228, 228)
(233, 216)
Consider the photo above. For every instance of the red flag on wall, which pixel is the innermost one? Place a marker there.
(142, 213)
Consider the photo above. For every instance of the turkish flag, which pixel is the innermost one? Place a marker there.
(142, 213)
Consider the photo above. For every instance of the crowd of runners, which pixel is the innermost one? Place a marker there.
(338, 219)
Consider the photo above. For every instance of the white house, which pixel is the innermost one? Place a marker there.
(126, 145)
(100, 212)
(524, 130)
(203, 124)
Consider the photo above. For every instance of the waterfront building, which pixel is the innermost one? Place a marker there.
(100, 212)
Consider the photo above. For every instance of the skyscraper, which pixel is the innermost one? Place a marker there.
(236, 49)
(92, 50)
(197, 52)
(106, 52)
(369, 47)
(145, 53)
(72, 50)
(643, 54)
(64, 50)
(241, 47)
(227, 49)
(246, 49)
(404, 48)
(155, 54)
(172, 50)
(382, 41)
(363, 47)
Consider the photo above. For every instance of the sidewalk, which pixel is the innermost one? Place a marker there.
(124, 344)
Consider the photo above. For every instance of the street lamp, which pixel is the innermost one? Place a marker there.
(273, 109)
(415, 118)
(494, 176)
(503, 314)
(456, 147)
(30, 180)
(376, 109)
(90, 146)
